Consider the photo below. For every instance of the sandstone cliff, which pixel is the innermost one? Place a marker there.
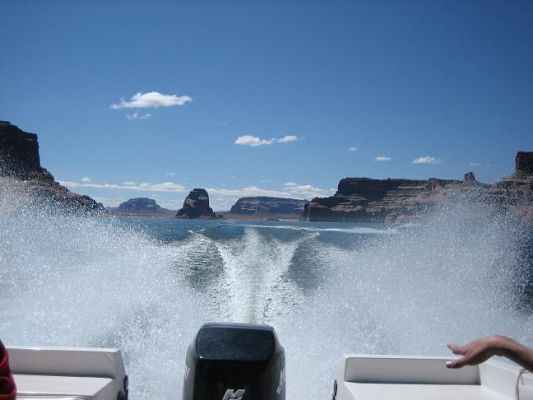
(371, 200)
(267, 207)
(19, 153)
(21, 171)
(398, 200)
(514, 194)
(141, 205)
(196, 205)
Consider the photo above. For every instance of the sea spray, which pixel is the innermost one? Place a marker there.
(73, 280)
(147, 286)
(455, 276)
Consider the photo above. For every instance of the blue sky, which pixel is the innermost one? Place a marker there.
(323, 89)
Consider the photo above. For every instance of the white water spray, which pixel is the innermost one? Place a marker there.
(94, 281)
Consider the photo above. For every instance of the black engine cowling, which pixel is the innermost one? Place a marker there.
(228, 361)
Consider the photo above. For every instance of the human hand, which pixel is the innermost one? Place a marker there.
(473, 353)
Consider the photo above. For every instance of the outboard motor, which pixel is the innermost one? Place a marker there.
(235, 362)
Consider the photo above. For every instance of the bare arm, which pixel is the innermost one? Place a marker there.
(482, 349)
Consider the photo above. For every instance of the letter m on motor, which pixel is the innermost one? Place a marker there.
(234, 394)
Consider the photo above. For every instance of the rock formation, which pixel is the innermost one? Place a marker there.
(19, 152)
(20, 169)
(196, 205)
(524, 164)
(267, 207)
(372, 200)
(514, 194)
(470, 179)
(397, 200)
(141, 205)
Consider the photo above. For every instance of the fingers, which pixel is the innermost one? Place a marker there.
(459, 350)
(460, 362)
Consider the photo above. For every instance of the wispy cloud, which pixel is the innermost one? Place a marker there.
(289, 190)
(427, 160)
(287, 139)
(474, 164)
(151, 100)
(130, 185)
(382, 159)
(86, 179)
(170, 173)
(138, 116)
(246, 192)
(109, 201)
(306, 191)
(352, 149)
(255, 141)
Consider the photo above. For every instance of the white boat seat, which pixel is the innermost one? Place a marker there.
(62, 373)
(45, 386)
(31, 397)
(375, 377)
(372, 391)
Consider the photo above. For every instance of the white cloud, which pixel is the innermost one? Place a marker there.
(86, 179)
(306, 191)
(287, 139)
(109, 201)
(138, 116)
(247, 192)
(254, 141)
(351, 149)
(427, 160)
(474, 164)
(382, 159)
(151, 100)
(289, 190)
(132, 186)
(170, 173)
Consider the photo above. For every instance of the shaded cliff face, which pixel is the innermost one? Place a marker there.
(196, 205)
(398, 200)
(268, 206)
(514, 194)
(524, 164)
(382, 200)
(140, 205)
(19, 152)
(20, 170)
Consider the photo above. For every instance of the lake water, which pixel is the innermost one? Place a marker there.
(146, 286)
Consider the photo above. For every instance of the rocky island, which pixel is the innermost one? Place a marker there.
(142, 207)
(398, 200)
(262, 207)
(196, 205)
(20, 169)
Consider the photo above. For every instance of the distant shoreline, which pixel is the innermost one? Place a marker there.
(226, 216)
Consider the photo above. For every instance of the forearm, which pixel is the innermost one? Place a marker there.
(517, 352)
